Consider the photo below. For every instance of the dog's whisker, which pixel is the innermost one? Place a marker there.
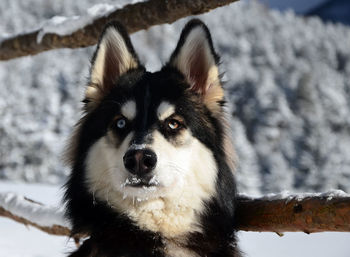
(93, 198)
(107, 197)
(176, 167)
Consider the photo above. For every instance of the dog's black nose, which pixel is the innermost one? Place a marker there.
(140, 162)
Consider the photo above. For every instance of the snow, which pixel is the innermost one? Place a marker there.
(286, 194)
(295, 244)
(61, 25)
(17, 240)
(39, 214)
(131, 181)
(100, 10)
(289, 196)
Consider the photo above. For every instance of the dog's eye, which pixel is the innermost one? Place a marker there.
(173, 124)
(121, 123)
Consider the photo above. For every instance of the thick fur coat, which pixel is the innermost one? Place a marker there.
(151, 160)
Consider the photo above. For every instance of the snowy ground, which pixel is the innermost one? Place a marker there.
(17, 240)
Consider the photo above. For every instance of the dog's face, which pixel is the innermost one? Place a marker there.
(150, 136)
(149, 148)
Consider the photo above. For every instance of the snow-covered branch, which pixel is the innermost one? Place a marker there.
(302, 212)
(275, 213)
(28, 212)
(74, 32)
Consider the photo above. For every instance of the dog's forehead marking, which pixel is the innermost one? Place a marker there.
(129, 110)
(165, 110)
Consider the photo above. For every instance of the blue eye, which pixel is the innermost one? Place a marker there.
(121, 123)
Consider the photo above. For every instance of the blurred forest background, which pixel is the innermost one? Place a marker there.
(287, 67)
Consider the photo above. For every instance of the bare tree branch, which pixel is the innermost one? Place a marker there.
(135, 17)
(311, 213)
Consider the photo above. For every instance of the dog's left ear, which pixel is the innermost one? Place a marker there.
(114, 57)
(195, 58)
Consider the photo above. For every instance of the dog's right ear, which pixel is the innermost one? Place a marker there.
(195, 57)
(114, 57)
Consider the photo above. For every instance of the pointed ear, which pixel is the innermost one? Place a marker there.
(114, 56)
(196, 59)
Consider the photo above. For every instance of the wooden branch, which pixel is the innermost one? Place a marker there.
(295, 213)
(135, 17)
(312, 213)
(29, 212)
(52, 230)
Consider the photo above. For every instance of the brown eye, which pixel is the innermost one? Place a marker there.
(173, 124)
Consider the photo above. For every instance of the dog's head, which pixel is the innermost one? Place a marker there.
(146, 135)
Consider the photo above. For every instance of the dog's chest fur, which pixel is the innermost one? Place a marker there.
(113, 244)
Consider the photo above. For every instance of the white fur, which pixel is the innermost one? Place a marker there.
(165, 110)
(105, 168)
(129, 110)
(185, 176)
(173, 249)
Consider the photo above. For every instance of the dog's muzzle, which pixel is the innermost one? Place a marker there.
(140, 162)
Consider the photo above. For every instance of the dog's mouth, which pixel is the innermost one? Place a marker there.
(137, 182)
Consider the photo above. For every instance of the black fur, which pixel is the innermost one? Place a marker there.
(114, 234)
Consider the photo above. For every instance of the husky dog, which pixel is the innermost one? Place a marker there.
(150, 159)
